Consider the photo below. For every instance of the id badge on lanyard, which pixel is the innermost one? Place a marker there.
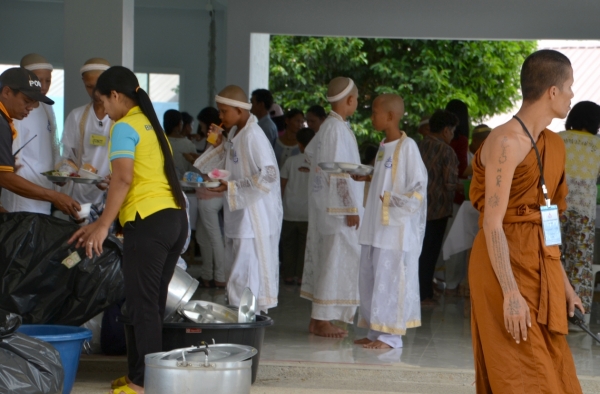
(551, 225)
(549, 213)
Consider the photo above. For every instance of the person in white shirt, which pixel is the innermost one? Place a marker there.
(86, 135)
(252, 209)
(392, 232)
(295, 177)
(287, 145)
(36, 142)
(335, 206)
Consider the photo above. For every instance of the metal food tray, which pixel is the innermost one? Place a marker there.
(334, 167)
(87, 181)
(55, 178)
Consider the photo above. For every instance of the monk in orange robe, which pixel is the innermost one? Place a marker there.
(520, 293)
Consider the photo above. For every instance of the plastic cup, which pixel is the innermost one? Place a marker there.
(84, 212)
(214, 134)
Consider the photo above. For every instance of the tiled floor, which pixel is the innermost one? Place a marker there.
(443, 340)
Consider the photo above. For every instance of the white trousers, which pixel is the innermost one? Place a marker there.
(333, 312)
(210, 239)
(242, 269)
(389, 294)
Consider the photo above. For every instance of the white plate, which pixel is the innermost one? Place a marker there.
(348, 166)
(211, 185)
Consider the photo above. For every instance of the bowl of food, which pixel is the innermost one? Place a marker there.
(211, 184)
(348, 166)
(217, 174)
(328, 166)
(362, 170)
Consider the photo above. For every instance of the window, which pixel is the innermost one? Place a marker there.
(163, 90)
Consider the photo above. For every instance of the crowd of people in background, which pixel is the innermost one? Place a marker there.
(366, 242)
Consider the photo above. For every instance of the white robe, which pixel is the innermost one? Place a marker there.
(92, 154)
(330, 278)
(252, 211)
(36, 157)
(392, 237)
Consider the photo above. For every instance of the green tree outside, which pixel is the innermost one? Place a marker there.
(426, 73)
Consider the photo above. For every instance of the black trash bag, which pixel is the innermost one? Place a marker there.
(36, 285)
(9, 322)
(29, 366)
(112, 335)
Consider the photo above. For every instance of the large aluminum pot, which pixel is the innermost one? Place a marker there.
(181, 288)
(214, 369)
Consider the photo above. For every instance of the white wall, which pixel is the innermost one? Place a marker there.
(166, 40)
(450, 19)
(176, 40)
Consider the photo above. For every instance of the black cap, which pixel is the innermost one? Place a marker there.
(25, 82)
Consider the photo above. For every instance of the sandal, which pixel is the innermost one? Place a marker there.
(122, 381)
(123, 390)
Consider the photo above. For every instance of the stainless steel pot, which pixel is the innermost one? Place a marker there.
(214, 369)
(181, 288)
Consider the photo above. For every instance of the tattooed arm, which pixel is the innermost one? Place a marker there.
(501, 155)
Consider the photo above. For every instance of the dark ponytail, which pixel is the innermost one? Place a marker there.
(123, 80)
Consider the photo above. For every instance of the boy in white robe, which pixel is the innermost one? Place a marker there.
(36, 143)
(330, 278)
(392, 232)
(86, 134)
(252, 210)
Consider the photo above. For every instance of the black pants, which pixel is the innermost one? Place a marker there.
(432, 244)
(151, 248)
(293, 244)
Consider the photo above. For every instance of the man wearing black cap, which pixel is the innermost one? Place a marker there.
(20, 89)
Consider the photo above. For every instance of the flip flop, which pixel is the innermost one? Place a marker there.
(123, 390)
(122, 381)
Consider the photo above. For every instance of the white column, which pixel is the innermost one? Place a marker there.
(95, 29)
(259, 61)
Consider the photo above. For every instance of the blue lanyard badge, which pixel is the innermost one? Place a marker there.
(551, 225)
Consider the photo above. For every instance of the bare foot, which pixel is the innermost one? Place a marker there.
(323, 328)
(377, 345)
(364, 341)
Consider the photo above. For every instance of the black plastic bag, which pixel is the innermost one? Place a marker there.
(112, 335)
(29, 366)
(36, 285)
(9, 322)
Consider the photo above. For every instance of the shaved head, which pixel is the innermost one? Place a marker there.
(390, 102)
(337, 86)
(234, 92)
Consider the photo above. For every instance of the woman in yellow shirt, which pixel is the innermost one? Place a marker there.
(146, 195)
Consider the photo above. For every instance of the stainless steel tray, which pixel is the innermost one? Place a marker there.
(200, 311)
(87, 181)
(55, 178)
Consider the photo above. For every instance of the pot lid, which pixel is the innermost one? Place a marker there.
(197, 356)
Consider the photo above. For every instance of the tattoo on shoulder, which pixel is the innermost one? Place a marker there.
(504, 146)
(494, 200)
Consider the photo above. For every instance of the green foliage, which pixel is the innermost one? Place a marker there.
(426, 73)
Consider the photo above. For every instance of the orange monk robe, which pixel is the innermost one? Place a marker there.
(543, 363)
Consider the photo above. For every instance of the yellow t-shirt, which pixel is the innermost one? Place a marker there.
(133, 137)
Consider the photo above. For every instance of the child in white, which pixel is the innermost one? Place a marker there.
(295, 177)
(392, 233)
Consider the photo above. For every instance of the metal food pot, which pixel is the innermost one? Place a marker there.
(214, 369)
(181, 288)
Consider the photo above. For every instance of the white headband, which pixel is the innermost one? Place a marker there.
(233, 103)
(424, 122)
(94, 67)
(344, 92)
(39, 66)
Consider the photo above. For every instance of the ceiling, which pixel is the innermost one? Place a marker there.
(171, 4)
